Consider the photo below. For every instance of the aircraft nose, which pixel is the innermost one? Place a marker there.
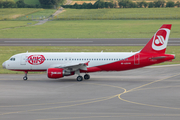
(4, 65)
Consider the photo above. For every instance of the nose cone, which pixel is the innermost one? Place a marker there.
(4, 65)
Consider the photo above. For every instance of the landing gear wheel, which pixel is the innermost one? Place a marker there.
(86, 76)
(25, 78)
(79, 78)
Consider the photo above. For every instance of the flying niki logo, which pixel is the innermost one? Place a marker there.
(160, 39)
(36, 59)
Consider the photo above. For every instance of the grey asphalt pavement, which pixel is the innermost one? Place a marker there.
(82, 42)
(150, 93)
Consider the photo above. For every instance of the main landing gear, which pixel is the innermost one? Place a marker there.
(80, 78)
(25, 77)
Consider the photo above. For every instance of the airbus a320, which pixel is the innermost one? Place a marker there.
(60, 64)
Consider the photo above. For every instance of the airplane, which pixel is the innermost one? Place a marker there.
(60, 64)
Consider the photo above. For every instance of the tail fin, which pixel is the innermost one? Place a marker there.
(158, 42)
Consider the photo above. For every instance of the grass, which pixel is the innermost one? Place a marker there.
(15, 24)
(12, 13)
(92, 29)
(44, 13)
(24, 13)
(114, 14)
(7, 51)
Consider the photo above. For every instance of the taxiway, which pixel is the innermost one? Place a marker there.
(146, 93)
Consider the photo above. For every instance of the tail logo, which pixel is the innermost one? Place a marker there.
(160, 39)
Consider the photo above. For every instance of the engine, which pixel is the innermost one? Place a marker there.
(57, 73)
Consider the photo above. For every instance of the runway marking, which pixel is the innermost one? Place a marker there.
(155, 88)
(52, 103)
(58, 107)
(134, 89)
(45, 41)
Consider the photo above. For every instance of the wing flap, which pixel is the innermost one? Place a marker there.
(71, 66)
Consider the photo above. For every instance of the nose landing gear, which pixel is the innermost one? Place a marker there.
(25, 77)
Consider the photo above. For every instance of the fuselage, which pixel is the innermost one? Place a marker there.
(97, 61)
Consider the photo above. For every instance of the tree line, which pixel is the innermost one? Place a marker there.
(124, 4)
(98, 4)
(21, 4)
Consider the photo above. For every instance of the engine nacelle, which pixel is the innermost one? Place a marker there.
(55, 73)
(58, 73)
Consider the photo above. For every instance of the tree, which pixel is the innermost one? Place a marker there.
(139, 4)
(20, 4)
(50, 3)
(144, 3)
(1, 3)
(159, 3)
(177, 4)
(151, 5)
(99, 4)
(126, 4)
(9, 4)
(170, 4)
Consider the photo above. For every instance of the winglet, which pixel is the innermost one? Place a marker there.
(87, 63)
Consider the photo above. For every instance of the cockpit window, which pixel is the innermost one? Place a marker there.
(12, 59)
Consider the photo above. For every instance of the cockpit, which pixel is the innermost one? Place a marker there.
(12, 59)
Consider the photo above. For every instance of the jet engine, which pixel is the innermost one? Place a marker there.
(57, 73)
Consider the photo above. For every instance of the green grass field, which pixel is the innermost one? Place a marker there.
(116, 14)
(92, 29)
(12, 13)
(44, 13)
(14, 24)
(7, 51)
(24, 13)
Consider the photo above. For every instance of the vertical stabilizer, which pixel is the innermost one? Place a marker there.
(158, 42)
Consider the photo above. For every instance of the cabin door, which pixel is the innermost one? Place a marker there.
(136, 59)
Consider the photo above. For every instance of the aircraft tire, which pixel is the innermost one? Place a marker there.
(25, 78)
(86, 76)
(79, 78)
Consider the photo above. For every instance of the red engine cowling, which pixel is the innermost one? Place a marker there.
(55, 73)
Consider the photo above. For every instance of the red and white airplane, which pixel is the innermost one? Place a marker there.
(60, 64)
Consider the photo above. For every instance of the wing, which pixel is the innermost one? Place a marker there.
(71, 66)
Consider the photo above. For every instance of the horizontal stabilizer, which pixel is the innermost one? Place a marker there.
(158, 58)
